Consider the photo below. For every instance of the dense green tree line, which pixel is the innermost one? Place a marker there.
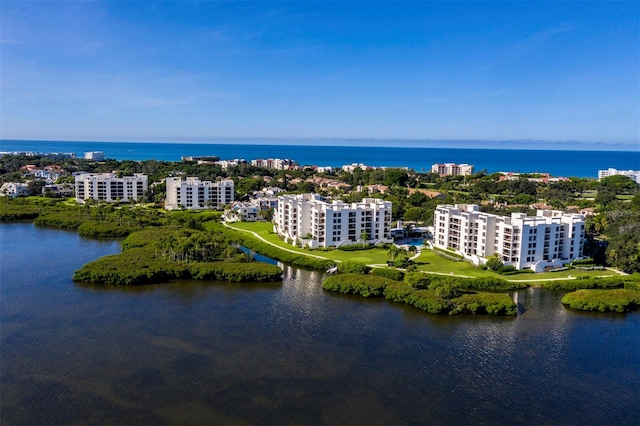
(437, 299)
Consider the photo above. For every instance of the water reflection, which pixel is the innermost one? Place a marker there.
(193, 352)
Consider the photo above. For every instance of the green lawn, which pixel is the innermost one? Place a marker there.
(428, 261)
(265, 230)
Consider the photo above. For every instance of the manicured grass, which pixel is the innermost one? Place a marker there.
(370, 256)
(428, 261)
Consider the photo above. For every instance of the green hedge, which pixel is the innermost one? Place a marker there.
(485, 303)
(95, 229)
(618, 300)
(632, 285)
(67, 218)
(364, 285)
(587, 282)
(392, 274)
(429, 300)
(352, 267)
(12, 211)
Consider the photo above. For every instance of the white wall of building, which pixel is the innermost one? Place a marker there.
(547, 239)
(633, 174)
(324, 224)
(94, 155)
(110, 188)
(191, 193)
(452, 169)
(14, 189)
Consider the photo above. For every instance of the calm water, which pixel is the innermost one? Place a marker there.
(558, 163)
(211, 353)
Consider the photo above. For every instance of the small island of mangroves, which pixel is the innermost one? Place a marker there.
(156, 255)
(434, 294)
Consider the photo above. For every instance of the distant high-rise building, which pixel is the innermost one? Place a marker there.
(452, 169)
(633, 174)
(94, 155)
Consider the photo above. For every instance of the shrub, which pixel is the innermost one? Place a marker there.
(60, 218)
(364, 285)
(352, 267)
(140, 266)
(398, 292)
(428, 300)
(491, 284)
(587, 261)
(392, 274)
(588, 283)
(418, 280)
(481, 303)
(632, 285)
(619, 300)
(146, 236)
(354, 247)
(95, 229)
(507, 270)
(227, 271)
(15, 211)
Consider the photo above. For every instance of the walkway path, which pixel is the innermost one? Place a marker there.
(261, 238)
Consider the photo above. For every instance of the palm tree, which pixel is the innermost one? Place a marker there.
(364, 237)
(393, 252)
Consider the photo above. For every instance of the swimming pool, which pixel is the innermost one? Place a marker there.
(418, 242)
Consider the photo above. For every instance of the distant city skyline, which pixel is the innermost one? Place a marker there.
(554, 75)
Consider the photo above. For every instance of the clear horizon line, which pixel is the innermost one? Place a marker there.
(532, 144)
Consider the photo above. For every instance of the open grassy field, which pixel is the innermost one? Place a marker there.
(428, 261)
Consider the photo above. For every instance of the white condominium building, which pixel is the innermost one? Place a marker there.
(319, 223)
(633, 174)
(274, 163)
(451, 169)
(94, 155)
(110, 188)
(191, 193)
(548, 239)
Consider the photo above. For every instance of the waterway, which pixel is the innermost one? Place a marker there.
(212, 352)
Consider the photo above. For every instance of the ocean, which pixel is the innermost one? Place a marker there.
(557, 163)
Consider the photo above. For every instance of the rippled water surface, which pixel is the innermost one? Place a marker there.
(210, 352)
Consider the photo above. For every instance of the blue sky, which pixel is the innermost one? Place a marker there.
(145, 71)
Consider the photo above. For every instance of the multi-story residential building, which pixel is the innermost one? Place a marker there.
(452, 169)
(318, 223)
(548, 239)
(58, 190)
(633, 174)
(110, 188)
(274, 163)
(14, 189)
(192, 193)
(94, 155)
(244, 212)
